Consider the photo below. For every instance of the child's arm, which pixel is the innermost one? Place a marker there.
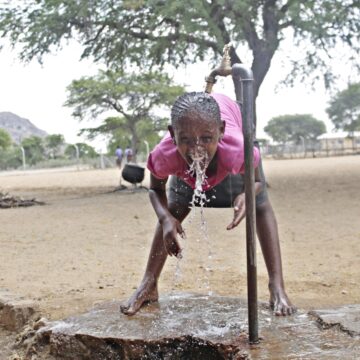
(239, 202)
(170, 225)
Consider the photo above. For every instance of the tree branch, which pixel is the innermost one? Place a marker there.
(173, 37)
(271, 23)
(286, 24)
(87, 42)
(218, 16)
(116, 106)
(284, 9)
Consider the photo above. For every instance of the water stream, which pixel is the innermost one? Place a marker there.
(198, 171)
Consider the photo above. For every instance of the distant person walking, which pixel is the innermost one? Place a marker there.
(119, 156)
(128, 154)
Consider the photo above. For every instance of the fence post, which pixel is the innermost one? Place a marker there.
(77, 156)
(23, 157)
(102, 164)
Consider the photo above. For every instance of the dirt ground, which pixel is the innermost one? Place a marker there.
(88, 245)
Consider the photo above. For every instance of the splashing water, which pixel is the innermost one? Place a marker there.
(179, 257)
(198, 170)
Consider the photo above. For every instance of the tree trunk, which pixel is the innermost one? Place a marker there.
(134, 140)
(263, 46)
(260, 67)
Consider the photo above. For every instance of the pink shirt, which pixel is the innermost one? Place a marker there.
(165, 160)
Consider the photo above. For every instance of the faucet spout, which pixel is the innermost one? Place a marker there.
(223, 70)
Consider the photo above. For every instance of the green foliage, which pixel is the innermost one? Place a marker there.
(10, 158)
(134, 97)
(146, 130)
(53, 144)
(344, 109)
(34, 149)
(85, 151)
(294, 128)
(5, 139)
(114, 129)
(157, 32)
(122, 92)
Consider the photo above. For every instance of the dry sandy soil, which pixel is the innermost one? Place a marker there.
(88, 245)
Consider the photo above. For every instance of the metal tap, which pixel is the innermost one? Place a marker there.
(223, 70)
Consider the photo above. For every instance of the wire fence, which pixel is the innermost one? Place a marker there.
(103, 161)
(284, 151)
(315, 149)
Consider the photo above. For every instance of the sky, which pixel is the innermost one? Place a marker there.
(37, 92)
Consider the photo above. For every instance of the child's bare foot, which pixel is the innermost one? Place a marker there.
(145, 293)
(279, 301)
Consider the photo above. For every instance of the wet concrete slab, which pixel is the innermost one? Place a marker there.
(345, 318)
(188, 326)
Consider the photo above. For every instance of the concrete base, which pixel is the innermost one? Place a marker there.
(345, 318)
(188, 326)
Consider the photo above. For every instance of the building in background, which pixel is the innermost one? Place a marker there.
(339, 142)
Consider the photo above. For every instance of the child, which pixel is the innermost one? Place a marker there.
(205, 130)
(119, 156)
(128, 154)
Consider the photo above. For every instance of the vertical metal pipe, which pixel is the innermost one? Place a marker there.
(243, 82)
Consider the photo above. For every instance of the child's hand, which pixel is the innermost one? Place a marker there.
(239, 211)
(171, 228)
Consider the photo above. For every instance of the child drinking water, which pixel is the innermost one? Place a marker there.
(206, 135)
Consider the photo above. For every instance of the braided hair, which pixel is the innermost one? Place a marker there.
(199, 102)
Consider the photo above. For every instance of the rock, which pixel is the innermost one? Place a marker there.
(40, 323)
(7, 201)
(15, 312)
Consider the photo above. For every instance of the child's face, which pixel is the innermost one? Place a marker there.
(197, 137)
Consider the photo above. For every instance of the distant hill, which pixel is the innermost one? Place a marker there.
(18, 127)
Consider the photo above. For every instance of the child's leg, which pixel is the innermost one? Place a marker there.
(269, 240)
(147, 290)
(267, 231)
